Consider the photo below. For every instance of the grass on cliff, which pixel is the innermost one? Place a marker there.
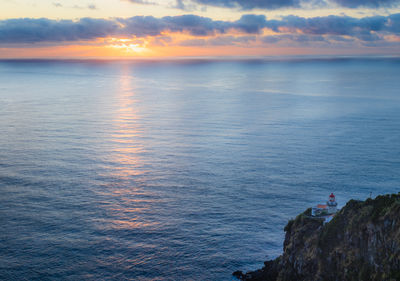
(383, 205)
(359, 212)
(352, 219)
(303, 215)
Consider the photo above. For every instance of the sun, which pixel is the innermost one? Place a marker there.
(128, 46)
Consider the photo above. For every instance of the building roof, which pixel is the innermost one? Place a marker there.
(321, 206)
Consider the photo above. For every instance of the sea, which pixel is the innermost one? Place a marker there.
(184, 169)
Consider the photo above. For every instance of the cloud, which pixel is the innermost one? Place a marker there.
(89, 6)
(161, 41)
(142, 2)
(299, 29)
(232, 41)
(279, 4)
(366, 3)
(193, 43)
(251, 23)
(339, 38)
(180, 5)
(251, 4)
(186, 6)
(141, 26)
(295, 39)
(46, 30)
(242, 41)
(195, 25)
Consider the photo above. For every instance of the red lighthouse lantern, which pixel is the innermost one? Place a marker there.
(332, 204)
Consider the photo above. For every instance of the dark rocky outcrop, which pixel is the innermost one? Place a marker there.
(362, 242)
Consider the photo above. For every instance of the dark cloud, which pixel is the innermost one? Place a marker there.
(14, 31)
(363, 29)
(251, 23)
(45, 30)
(220, 41)
(180, 4)
(393, 23)
(366, 3)
(231, 41)
(339, 38)
(251, 4)
(195, 25)
(141, 26)
(150, 26)
(320, 25)
(294, 38)
(278, 4)
(272, 39)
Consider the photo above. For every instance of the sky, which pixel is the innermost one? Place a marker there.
(197, 28)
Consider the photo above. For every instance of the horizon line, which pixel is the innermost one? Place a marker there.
(213, 58)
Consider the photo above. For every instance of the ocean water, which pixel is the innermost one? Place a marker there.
(182, 170)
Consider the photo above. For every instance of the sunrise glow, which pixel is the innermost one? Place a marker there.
(122, 28)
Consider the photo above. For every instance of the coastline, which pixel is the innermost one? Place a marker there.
(362, 242)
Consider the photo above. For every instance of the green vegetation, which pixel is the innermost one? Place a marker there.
(361, 242)
(288, 227)
(383, 204)
(307, 212)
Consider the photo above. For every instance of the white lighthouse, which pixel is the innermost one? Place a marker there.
(331, 204)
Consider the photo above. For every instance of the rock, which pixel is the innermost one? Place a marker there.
(238, 274)
(362, 242)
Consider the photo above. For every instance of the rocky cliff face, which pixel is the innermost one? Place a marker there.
(362, 242)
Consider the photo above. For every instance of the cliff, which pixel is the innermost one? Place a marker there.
(362, 242)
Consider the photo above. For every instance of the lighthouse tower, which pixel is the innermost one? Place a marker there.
(332, 204)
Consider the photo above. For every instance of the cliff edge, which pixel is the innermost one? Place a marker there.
(362, 242)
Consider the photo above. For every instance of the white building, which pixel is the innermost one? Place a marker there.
(322, 210)
(332, 204)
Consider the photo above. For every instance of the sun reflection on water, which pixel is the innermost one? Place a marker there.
(125, 201)
(124, 137)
